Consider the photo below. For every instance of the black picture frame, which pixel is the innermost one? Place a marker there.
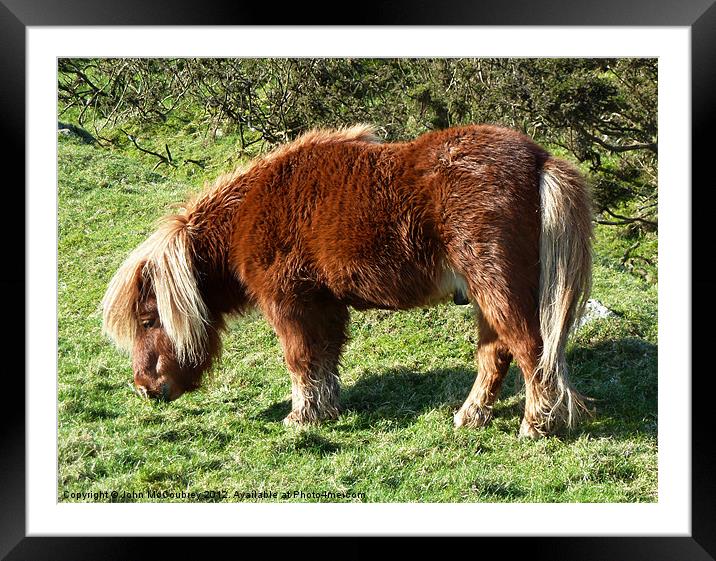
(699, 15)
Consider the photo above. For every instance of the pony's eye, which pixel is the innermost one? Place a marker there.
(147, 323)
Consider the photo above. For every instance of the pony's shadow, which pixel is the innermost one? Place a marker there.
(619, 376)
(399, 395)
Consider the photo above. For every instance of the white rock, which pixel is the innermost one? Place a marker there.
(593, 310)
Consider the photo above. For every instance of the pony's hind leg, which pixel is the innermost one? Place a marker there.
(493, 362)
(312, 335)
(551, 403)
(544, 398)
(509, 325)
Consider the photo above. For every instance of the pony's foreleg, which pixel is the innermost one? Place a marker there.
(314, 395)
(312, 338)
(493, 362)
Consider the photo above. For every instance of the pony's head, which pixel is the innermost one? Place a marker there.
(154, 310)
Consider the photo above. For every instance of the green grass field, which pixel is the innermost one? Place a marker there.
(404, 374)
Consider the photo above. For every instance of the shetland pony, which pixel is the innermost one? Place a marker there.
(337, 219)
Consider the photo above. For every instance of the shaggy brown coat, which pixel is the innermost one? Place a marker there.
(337, 219)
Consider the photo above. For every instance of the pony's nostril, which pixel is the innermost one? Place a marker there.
(166, 393)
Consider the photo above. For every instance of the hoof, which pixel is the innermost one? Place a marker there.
(529, 431)
(304, 417)
(300, 419)
(293, 419)
(472, 416)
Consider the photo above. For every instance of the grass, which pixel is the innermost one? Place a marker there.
(403, 376)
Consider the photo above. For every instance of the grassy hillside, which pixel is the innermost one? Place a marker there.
(404, 374)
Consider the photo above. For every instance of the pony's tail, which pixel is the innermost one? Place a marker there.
(565, 283)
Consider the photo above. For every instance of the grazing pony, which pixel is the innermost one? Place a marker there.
(337, 219)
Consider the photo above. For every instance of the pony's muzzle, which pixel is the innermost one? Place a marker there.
(141, 391)
(162, 393)
(150, 387)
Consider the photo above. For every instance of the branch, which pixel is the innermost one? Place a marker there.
(630, 218)
(626, 220)
(651, 146)
(199, 163)
(162, 159)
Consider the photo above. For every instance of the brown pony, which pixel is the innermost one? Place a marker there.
(337, 219)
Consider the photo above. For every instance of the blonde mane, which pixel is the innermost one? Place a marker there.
(163, 262)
